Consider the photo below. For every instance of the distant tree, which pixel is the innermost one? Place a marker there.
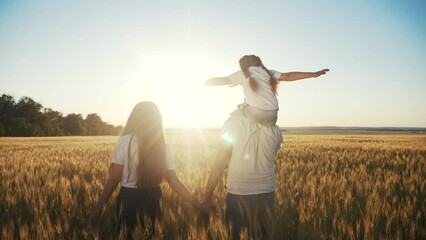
(94, 124)
(52, 123)
(73, 124)
(20, 127)
(109, 129)
(118, 130)
(27, 118)
(7, 107)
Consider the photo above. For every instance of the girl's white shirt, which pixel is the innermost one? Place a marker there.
(121, 157)
(263, 98)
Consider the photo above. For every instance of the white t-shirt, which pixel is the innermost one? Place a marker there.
(263, 98)
(121, 157)
(251, 168)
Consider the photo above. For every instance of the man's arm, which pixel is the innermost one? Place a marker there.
(293, 76)
(222, 159)
(217, 81)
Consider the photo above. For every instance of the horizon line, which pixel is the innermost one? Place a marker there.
(317, 127)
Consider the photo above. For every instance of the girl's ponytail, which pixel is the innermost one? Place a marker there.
(246, 62)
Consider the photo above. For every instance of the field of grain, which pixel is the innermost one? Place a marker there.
(329, 186)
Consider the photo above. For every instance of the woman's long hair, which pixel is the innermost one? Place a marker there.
(254, 61)
(146, 124)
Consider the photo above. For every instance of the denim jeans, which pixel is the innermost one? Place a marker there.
(253, 213)
(135, 205)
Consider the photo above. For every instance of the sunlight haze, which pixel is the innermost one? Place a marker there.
(103, 57)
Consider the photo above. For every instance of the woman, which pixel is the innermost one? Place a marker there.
(141, 161)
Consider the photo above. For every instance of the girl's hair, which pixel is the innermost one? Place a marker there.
(146, 124)
(254, 61)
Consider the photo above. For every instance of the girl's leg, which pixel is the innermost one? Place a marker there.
(264, 117)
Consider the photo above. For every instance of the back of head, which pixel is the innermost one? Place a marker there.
(254, 61)
(144, 117)
(145, 123)
(250, 61)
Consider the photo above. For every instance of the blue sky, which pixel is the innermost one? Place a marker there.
(105, 56)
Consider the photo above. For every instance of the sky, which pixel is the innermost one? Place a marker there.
(105, 56)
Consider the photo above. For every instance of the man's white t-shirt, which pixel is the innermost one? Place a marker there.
(263, 98)
(254, 147)
(121, 157)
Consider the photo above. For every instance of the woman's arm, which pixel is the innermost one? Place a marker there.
(293, 76)
(180, 189)
(217, 81)
(115, 174)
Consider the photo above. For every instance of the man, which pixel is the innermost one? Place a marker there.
(248, 149)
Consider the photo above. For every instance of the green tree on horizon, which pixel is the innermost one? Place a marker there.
(27, 117)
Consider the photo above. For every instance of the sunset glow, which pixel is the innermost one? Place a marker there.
(104, 57)
(175, 84)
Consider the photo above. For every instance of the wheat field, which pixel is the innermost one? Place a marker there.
(329, 186)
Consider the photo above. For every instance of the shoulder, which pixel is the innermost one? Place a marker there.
(238, 73)
(275, 74)
(120, 149)
(236, 78)
(232, 128)
(169, 151)
(169, 147)
(260, 72)
(169, 157)
(124, 139)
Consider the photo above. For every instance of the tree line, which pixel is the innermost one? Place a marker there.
(27, 117)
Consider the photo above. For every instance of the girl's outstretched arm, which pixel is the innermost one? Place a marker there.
(217, 81)
(293, 76)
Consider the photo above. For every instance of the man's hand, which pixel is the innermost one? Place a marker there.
(92, 219)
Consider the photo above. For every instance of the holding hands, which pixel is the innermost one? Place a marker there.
(206, 208)
(92, 219)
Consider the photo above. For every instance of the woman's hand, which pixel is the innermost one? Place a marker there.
(92, 219)
(319, 73)
(206, 208)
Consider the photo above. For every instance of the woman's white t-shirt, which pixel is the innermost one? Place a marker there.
(263, 98)
(120, 156)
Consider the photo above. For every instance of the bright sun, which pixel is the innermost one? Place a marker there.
(174, 83)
